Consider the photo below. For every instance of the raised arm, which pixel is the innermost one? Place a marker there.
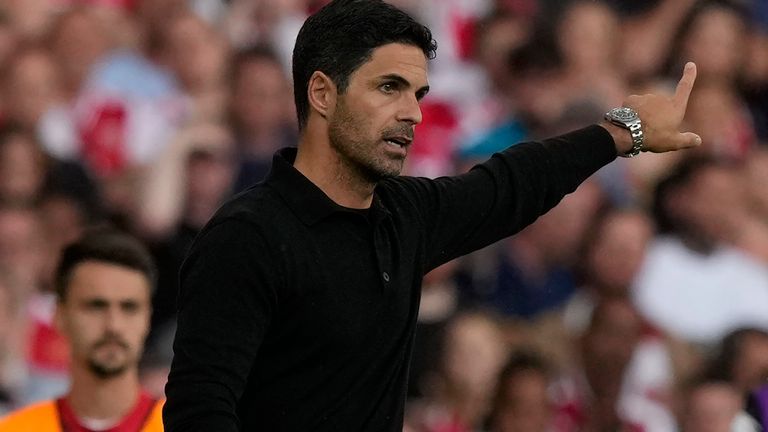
(509, 191)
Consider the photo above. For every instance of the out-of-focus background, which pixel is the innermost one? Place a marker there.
(640, 303)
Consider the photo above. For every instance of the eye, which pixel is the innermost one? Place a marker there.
(387, 88)
(95, 305)
(129, 307)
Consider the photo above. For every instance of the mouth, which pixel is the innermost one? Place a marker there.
(111, 343)
(399, 141)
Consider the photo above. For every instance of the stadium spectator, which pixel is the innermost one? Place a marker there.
(103, 284)
(692, 284)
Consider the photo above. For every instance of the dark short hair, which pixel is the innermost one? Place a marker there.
(103, 244)
(340, 37)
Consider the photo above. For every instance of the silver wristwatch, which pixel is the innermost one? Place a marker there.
(628, 119)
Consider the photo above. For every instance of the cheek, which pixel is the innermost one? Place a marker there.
(351, 124)
(372, 116)
(139, 327)
(81, 333)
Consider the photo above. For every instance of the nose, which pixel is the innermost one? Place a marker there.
(410, 110)
(115, 318)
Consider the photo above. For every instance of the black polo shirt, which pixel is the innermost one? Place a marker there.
(297, 314)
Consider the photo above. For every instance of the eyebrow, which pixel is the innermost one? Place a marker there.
(404, 82)
(95, 302)
(103, 302)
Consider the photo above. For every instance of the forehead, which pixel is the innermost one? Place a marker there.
(405, 60)
(98, 279)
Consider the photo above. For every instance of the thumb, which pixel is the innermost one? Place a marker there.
(688, 140)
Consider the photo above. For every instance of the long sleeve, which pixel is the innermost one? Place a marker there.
(226, 302)
(504, 194)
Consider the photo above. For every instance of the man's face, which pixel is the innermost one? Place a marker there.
(372, 123)
(105, 316)
(262, 98)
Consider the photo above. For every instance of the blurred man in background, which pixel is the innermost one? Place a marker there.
(103, 283)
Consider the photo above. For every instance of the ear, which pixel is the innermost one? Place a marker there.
(321, 93)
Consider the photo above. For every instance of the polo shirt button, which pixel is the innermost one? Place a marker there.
(385, 275)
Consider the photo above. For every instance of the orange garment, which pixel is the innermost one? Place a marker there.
(44, 417)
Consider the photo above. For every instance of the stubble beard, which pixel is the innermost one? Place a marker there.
(106, 368)
(105, 371)
(359, 154)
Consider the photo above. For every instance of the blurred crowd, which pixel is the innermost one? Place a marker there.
(640, 303)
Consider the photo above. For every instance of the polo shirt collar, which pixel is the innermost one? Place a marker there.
(304, 198)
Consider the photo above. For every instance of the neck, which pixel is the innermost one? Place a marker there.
(97, 398)
(322, 165)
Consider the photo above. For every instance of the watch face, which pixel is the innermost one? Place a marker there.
(623, 114)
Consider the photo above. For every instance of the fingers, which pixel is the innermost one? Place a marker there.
(684, 87)
(688, 140)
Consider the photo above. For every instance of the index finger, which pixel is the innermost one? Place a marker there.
(684, 87)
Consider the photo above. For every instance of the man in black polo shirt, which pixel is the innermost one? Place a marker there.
(299, 299)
